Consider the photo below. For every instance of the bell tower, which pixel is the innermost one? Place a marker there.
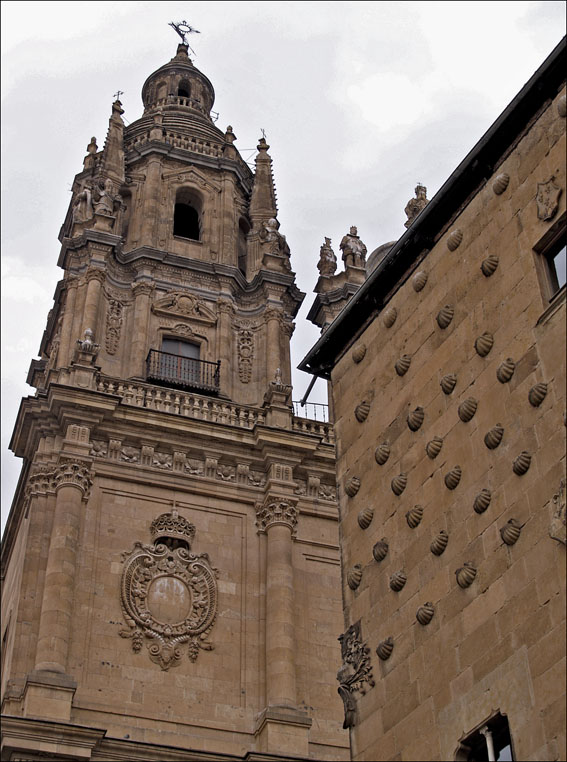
(171, 563)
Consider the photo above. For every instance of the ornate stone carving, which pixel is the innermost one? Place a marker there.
(547, 199)
(352, 486)
(402, 365)
(245, 355)
(506, 370)
(493, 437)
(416, 418)
(184, 304)
(168, 594)
(445, 316)
(130, 454)
(537, 394)
(414, 516)
(162, 460)
(354, 251)
(398, 581)
(425, 613)
(484, 343)
(389, 316)
(74, 473)
(439, 543)
(276, 510)
(87, 346)
(419, 280)
(482, 501)
(433, 448)
(226, 473)
(522, 463)
(99, 449)
(113, 325)
(327, 260)
(467, 409)
(361, 411)
(415, 205)
(356, 671)
(448, 383)
(557, 527)
(83, 205)
(194, 467)
(326, 492)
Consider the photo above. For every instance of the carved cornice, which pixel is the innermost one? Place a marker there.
(277, 510)
(73, 473)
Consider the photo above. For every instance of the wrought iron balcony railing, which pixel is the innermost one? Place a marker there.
(182, 372)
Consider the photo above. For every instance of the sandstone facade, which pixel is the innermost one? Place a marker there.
(171, 569)
(448, 380)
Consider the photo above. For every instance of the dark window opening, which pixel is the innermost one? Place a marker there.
(551, 252)
(492, 741)
(183, 93)
(186, 222)
(172, 543)
(184, 89)
(556, 266)
(243, 229)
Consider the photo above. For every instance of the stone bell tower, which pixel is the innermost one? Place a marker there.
(170, 563)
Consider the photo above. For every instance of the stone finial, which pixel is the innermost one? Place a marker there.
(327, 260)
(354, 251)
(229, 135)
(415, 205)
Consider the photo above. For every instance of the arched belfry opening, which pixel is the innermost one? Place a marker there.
(243, 230)
(187, 214)
(184, 89)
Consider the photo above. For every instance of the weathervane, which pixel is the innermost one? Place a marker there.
(183, 29)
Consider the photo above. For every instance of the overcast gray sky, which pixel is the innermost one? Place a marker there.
(359, 101)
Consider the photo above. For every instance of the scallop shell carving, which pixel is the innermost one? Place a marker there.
(402, 365)
(385, 648)
(358, 353)
(361, 411)
(482, 501)
(522, 463)
(465, 575)
(454, 239)
(489, 265)
(467, 409)
(506, 370)
(511, 531)
(484, 344)
(439, 543)
(354, 576)
(433, 448)
(365, 517)
(537, 394)
(352, 486)
(397, 581)
(500, 183)
(419, 280)
(414, 516)
(380, 550)
(453, 478)
(415, 418)
(445, 316)
(399, 483)
(389, 317)
(382, 453)
(425, 613)
(493, 438)
(562, 106)
(448, 383)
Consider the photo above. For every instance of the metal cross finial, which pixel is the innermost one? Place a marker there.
(263, 134)
(117, 95)
(183, 29)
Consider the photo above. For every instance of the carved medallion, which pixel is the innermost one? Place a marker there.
(168, 594)
(547, 199)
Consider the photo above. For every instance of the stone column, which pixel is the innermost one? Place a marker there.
(139, 335)
(68, 322)
(95, 279)
(273, 358)
(287, 327)
(225, 354)
(72, 481)
(278, 518)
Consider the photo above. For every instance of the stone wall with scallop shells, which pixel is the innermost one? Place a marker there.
(463, 446)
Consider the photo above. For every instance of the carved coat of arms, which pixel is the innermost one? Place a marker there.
(547, 199)
(168, 594)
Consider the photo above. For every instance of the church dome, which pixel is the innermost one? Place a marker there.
(180, 97)
(377, 256)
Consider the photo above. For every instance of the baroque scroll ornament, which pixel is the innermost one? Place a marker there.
(113, 325)
(168, 594)
(245, 355)
(356, 671)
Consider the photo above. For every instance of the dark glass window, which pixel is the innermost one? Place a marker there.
(494, 737)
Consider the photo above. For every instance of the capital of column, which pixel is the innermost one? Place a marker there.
(225, 306)
(142, 288)
(73, 473)
(273, 313)
(95, 273)
(277, 510)
(71, 282)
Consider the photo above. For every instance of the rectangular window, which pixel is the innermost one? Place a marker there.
(550, 260)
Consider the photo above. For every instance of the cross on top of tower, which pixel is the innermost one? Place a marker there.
(117, 94)
(183, 29)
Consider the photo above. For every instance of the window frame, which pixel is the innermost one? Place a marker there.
(545, 251)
